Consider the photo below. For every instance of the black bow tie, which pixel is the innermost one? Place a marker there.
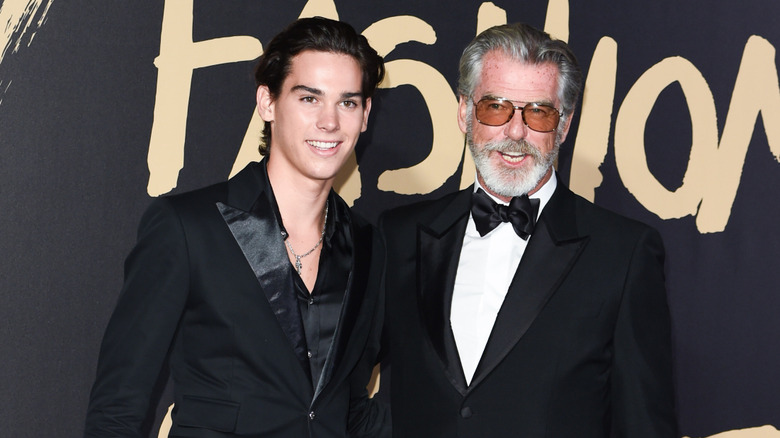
(487, 214)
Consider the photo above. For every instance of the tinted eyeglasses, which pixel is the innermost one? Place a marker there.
(496, 111)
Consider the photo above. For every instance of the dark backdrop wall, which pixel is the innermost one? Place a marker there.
(105, 104)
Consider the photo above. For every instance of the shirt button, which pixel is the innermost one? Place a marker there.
(465, 412)
(311, 301)
(308, 353)
(311, 415)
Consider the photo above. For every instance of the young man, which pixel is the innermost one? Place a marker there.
(500, 325)
(256, 288)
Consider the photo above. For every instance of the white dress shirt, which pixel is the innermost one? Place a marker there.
(485, 270)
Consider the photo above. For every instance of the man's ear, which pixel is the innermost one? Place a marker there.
(366, 111)
(566, 126)
(265, 103)
(463, 102)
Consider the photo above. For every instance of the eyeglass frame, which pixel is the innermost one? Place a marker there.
(522, 114)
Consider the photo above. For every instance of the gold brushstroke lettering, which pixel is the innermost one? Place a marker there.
(753, 432)
(714, 167)
(596, 120)
(431, 173)
(19, 18)
(556, 23)
(179, 57)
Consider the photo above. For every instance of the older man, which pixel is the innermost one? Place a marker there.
(516, 308)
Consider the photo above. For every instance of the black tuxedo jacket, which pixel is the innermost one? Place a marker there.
(202, 287)
(580, 347)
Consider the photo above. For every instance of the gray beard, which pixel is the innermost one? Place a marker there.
(506, 181)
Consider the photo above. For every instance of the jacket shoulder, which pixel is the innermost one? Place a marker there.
(592, 218)
(421, 211)
(240, 191)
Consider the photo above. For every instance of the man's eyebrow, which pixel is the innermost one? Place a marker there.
(547, 102)
(318, 92)
(315, 91)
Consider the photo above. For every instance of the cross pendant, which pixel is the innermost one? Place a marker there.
(298, 264)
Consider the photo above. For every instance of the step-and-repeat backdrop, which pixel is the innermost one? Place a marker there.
(106, 104)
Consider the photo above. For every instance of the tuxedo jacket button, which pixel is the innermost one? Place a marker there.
(465, 412)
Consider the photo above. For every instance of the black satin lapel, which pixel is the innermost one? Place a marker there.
(258, 234)
(544, 266)
(437, 265)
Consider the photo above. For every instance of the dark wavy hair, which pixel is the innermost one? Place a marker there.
(322, 35)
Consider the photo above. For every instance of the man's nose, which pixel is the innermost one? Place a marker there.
(516, 128)
(328, 119)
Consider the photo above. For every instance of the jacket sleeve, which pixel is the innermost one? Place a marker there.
(641, 380)
(369, 417)
(141, 329)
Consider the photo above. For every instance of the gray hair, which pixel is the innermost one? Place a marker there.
(527, 44)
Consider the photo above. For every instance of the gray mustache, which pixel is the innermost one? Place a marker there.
(521, 147)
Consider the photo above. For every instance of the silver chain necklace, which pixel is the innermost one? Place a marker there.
(298, 258)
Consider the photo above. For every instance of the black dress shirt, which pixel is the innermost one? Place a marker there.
(321, 308)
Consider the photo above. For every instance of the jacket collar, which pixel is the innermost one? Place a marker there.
(549, 256)
(254, 221)
(551, 252)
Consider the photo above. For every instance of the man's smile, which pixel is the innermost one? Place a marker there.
(513, 157)
(322, 145)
